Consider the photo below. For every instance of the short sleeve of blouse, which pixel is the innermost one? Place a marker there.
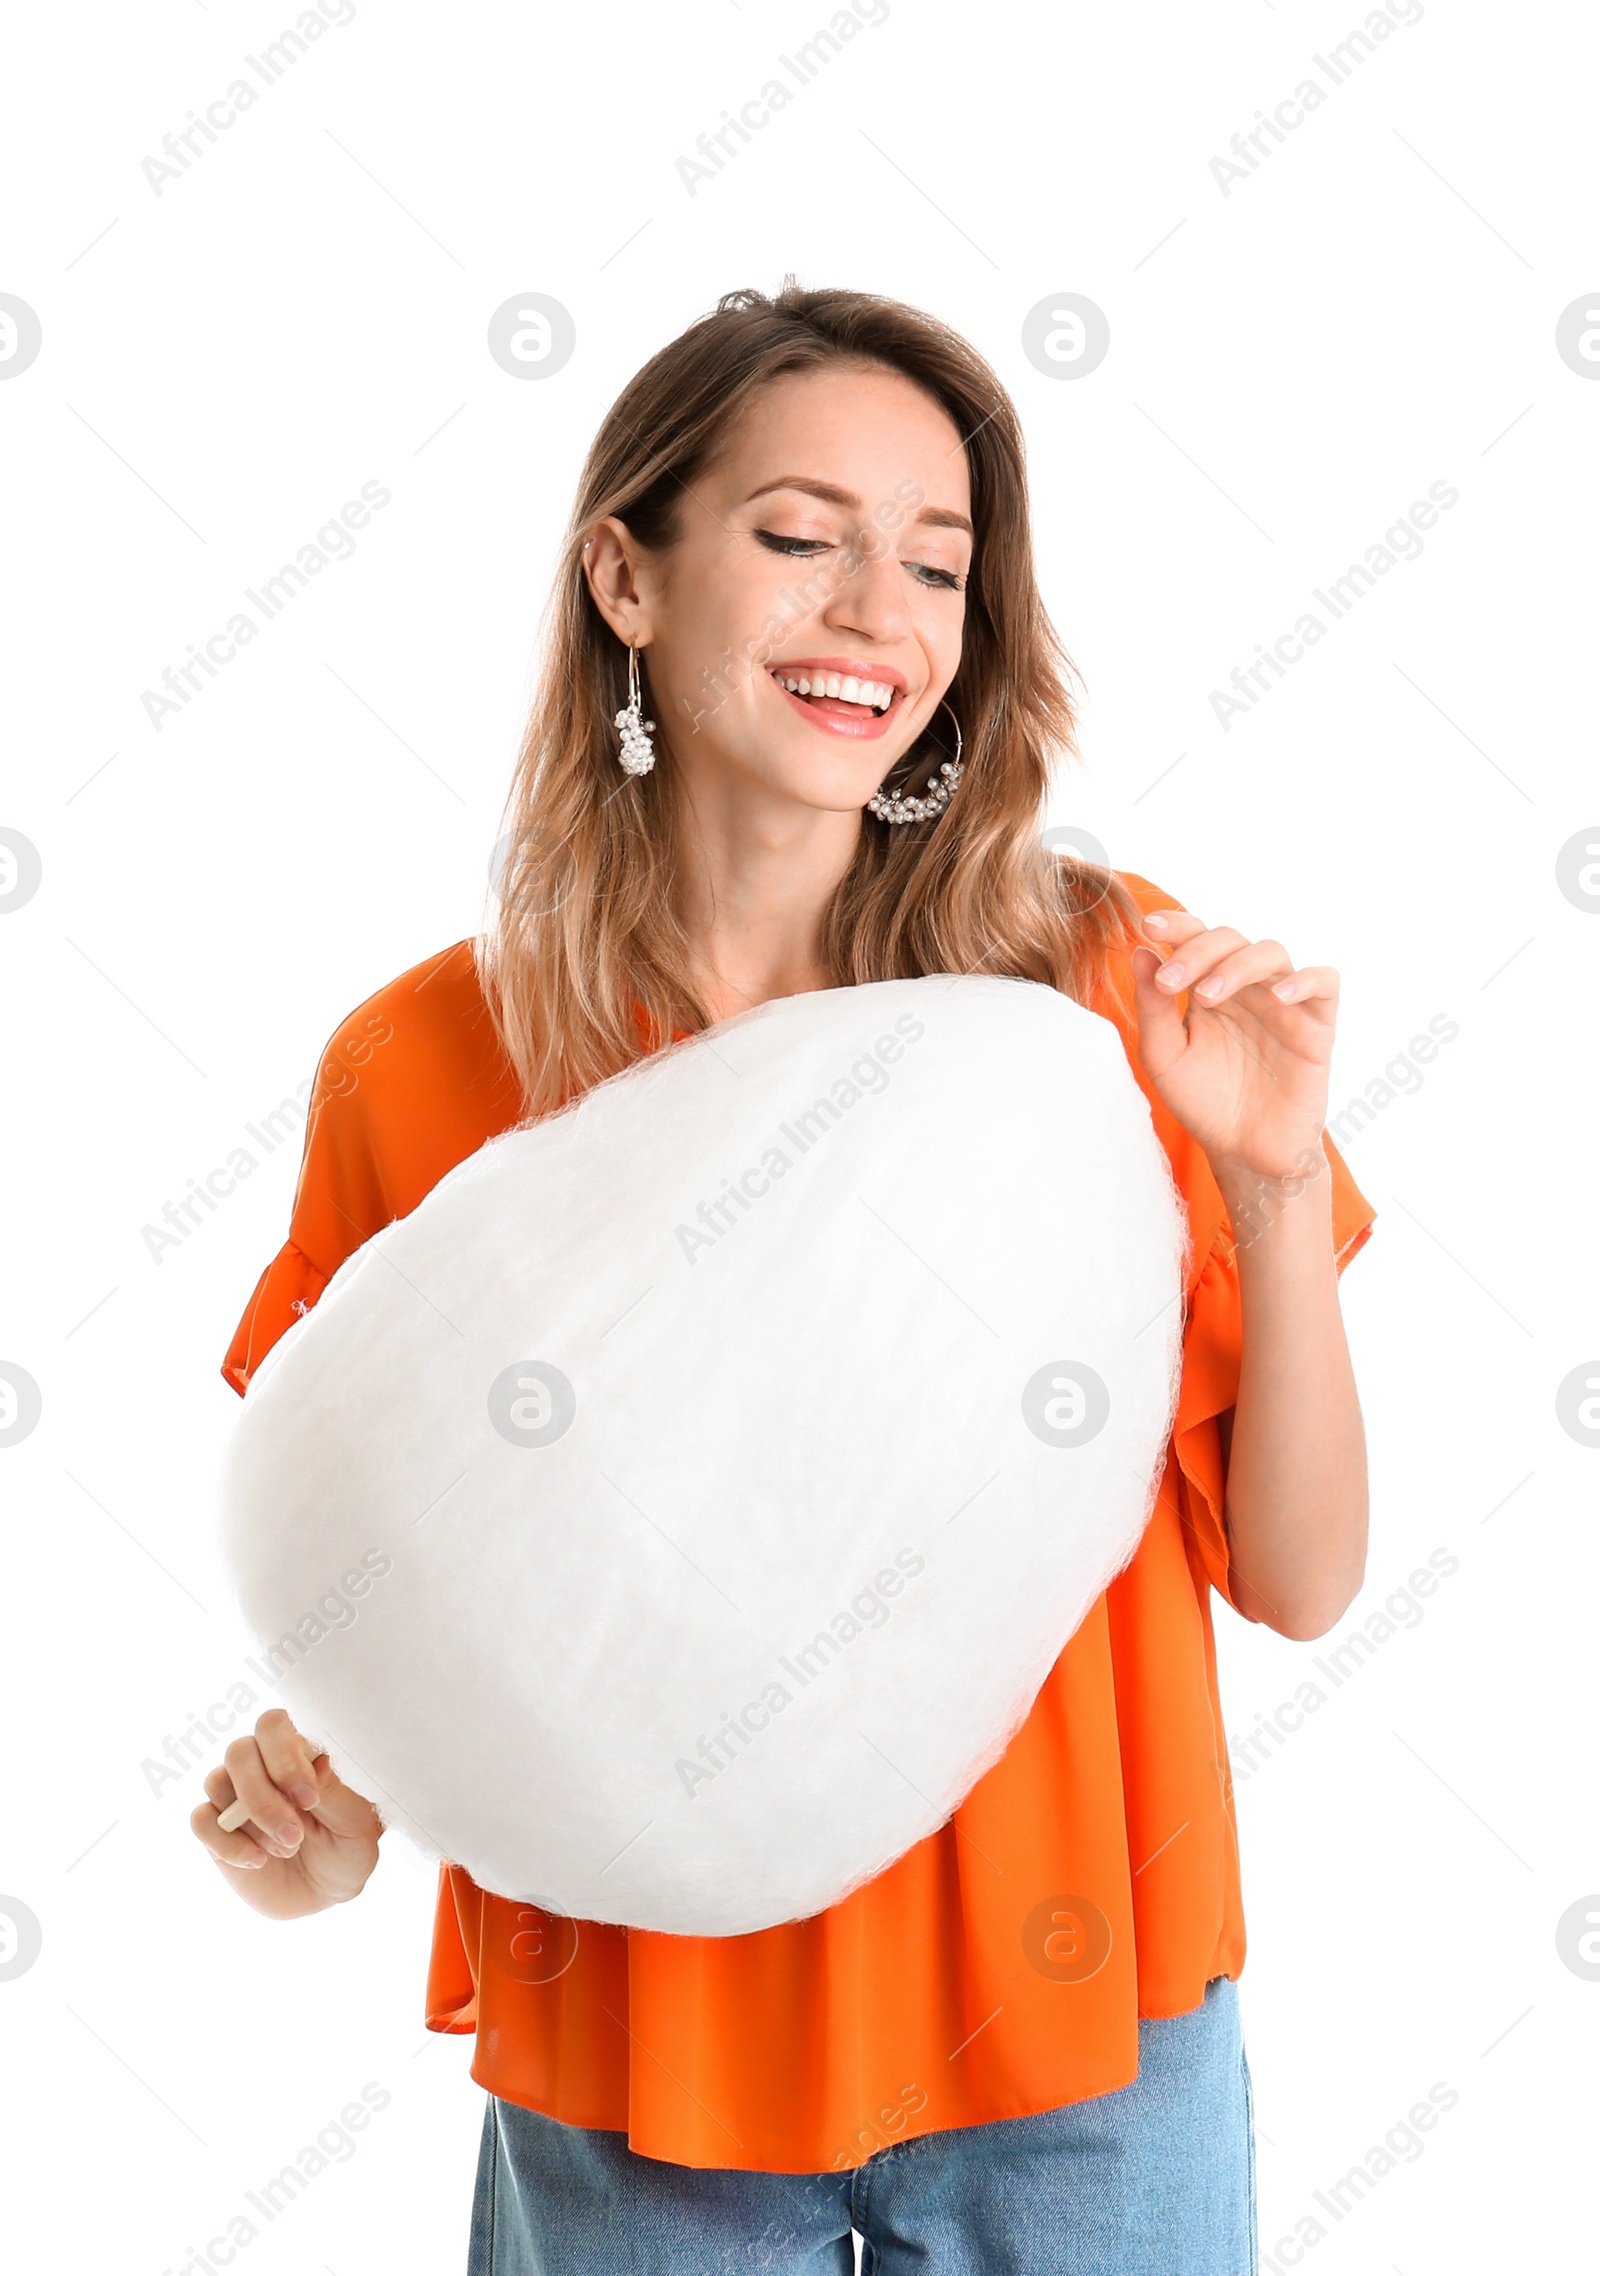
(289, 1287)
(410, 1084)
(340, 1201)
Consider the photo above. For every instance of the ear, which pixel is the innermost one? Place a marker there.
(613, 562)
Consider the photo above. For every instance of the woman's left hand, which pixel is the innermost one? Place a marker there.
(1246, 1071)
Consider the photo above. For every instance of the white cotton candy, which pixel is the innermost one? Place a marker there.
(673, 1517)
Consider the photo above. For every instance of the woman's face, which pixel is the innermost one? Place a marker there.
(827, 547)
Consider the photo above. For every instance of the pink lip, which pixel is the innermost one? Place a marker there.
(867, 725)
(846, 666)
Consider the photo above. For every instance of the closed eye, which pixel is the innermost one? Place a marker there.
(806, 547)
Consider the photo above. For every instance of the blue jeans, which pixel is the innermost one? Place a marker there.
(1157, 2179)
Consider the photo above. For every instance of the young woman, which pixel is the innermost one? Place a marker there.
(804, 528)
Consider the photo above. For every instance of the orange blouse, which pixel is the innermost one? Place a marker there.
(998, 1968)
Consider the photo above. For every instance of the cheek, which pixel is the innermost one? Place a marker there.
(940, 620)
(730, 618)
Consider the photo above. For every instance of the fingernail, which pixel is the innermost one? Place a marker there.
(1156, 924)
(1283, 987)
(290, 1836)
(1207, 987)
(303, 1794)
(1171, 973)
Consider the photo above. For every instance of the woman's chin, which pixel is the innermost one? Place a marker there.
(846, 794)
(823, 783)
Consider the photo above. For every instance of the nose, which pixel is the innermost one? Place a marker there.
(871, 597)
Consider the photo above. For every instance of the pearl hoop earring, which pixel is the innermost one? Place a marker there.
(900, 806)
(637, 752)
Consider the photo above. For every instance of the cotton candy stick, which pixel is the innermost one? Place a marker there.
(233, 1817)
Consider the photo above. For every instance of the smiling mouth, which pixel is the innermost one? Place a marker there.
(830, 689)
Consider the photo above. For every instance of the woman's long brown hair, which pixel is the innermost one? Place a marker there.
(584, 962)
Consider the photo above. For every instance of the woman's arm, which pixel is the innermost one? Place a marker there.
(1245, 1070)
(1293, 1448)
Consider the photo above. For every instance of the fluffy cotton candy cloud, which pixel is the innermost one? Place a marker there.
(746, 1440)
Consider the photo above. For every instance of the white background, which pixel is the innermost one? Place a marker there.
(1371, 310)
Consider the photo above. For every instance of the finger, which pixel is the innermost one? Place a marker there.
(1317, 983)
(1163, 1037)
(219, 1788)
(235, 1849)
(1199, 954)
(232, 1815)
(1145, 963)
(236, 1818)
(1167, 926)
(288, 1757)
(1257, 960)
(328, 1791)
(340, 1808)
(277, 1822)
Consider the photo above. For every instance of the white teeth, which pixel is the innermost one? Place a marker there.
(875, 695)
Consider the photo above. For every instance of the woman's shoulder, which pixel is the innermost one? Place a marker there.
(409, 1084)
(432, 1016)
(401, 1003)
(416, 1072)
(1147, 896)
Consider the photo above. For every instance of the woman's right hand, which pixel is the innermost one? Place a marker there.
(310, 1841)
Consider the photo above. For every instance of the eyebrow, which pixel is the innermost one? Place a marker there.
(940, 517)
